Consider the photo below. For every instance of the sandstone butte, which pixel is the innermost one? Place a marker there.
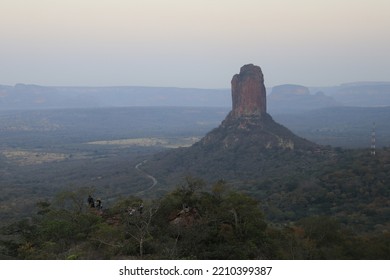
(248, 141)
(248, 124)
(248, 92)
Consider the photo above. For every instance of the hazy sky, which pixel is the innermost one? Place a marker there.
(200, 43)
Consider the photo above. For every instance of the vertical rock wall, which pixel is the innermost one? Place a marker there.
(248, 92)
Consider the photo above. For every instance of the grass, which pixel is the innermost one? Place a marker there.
(23, 157)
(150, 142)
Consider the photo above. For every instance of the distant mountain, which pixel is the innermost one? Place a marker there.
(359, 94)
(22, 97)
(297, 98)
(286, 98)
(348, 127)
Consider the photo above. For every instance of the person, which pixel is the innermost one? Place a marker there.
(91, 202)
(99, 204)
(131, 211)
(141, 208)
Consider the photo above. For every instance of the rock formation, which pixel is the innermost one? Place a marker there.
(247, 144)
(248, 123)
(248, 92)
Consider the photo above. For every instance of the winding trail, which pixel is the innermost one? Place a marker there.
(154, 180)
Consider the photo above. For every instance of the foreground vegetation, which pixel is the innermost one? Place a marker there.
(187, 223)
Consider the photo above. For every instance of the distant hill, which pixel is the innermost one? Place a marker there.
(364, 95)
(281, 99)
(22, 97)
(348, 127)
(297, 98)
(359, 94)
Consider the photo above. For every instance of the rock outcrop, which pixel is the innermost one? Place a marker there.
(248, 144)
(248, 124)
(248, 92)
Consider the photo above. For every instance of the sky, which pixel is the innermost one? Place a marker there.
(197, 44)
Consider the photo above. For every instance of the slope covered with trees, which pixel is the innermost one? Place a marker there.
(187, 223)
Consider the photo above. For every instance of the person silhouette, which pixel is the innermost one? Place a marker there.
(91, 202)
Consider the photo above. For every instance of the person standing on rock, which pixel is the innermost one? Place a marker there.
(91, 202)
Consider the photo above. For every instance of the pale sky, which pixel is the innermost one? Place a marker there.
(186, 43)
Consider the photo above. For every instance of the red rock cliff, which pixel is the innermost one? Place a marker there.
(248, 92)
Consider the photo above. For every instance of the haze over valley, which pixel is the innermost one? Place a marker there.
(105, 141)
(206, 130)
(340, 116)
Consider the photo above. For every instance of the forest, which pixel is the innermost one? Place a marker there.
(187, 223)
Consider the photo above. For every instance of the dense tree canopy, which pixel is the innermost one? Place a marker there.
(187, 223)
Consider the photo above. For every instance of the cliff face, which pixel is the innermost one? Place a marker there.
(248, 92)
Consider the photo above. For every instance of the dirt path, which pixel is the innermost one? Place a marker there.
(154, 180)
